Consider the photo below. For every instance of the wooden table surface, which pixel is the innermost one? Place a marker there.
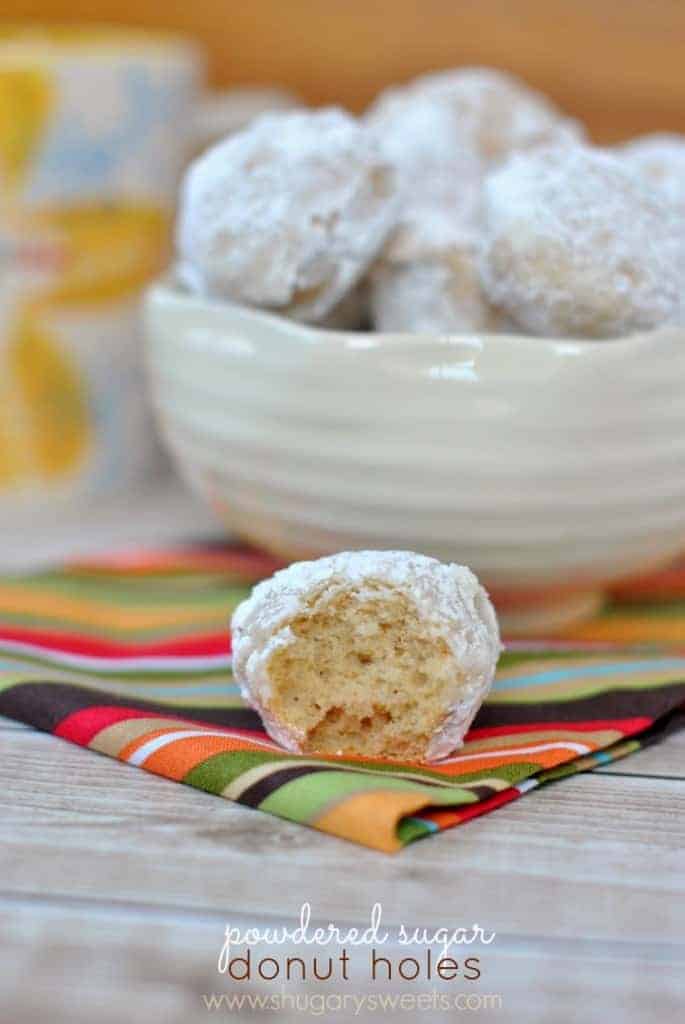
(116, 885)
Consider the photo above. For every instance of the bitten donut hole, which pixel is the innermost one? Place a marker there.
(364, 675)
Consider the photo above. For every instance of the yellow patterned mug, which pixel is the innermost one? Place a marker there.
(95, 126)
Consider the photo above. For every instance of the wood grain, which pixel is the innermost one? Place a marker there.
(90, 962)
(665, 759)
(617, 64)
(593, 856)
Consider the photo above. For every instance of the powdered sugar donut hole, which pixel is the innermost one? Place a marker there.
(442, 132)
(431, 289)
(439, 172)
(661, 160)
(287, 214)
(498, 112)
(577, 244)
(373, 653)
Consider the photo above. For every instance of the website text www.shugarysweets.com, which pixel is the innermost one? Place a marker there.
(356, 1004)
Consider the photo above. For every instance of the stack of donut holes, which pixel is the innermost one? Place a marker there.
(462, 201)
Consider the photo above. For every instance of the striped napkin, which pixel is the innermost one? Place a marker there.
(130, 656)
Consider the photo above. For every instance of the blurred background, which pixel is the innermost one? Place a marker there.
(91, 152)
(616, 64)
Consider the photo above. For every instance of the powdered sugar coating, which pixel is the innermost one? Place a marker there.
(426, 278)
(449, 600)
(577, 244)
(442, 132)
(288, 213)
(439, 171)
(498, 112)
(437, 290)
(660, 159)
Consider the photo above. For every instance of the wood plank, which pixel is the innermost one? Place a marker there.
(590, 856)
(665, 758)
(90, 962)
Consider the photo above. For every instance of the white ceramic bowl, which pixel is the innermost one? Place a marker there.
(551, 467)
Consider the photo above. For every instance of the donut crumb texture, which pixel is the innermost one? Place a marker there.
(363, 674)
